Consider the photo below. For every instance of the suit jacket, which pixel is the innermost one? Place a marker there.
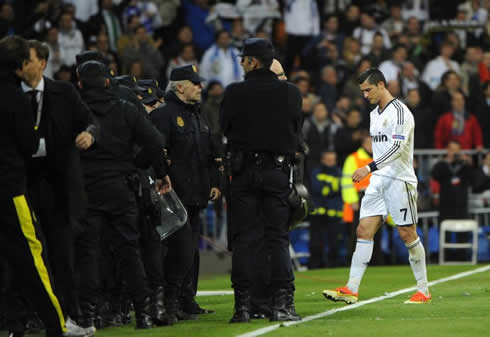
(67, 116)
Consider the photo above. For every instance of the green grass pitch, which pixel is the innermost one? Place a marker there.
(458, 308)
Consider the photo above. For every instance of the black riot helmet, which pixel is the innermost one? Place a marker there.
(300, 204)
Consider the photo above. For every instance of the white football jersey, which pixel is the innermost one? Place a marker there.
(392, 131)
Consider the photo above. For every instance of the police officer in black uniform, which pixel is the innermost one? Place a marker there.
(111, 202)
(121, 86)
(262, 120)
(194, 170)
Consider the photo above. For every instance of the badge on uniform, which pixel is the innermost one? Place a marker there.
(180, 122)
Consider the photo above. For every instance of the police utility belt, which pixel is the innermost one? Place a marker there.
(241, 159)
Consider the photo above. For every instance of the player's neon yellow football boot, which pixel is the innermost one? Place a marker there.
(341, 294)
(419, 298)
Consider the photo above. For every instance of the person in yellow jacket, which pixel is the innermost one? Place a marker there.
(352, 194)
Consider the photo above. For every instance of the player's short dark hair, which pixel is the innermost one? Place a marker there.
(14, 51)
(372, 76)
(42, 50)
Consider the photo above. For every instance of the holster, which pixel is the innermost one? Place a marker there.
(146, 197)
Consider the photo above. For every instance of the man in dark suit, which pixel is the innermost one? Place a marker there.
(64, 125)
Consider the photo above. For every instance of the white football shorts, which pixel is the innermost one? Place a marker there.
(387, 196)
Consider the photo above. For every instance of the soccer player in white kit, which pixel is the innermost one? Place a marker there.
(392, 189)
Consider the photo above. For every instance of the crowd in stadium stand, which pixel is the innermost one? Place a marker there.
(427, 53)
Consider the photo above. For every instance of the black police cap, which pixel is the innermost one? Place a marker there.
(148, 96)
(126, 80)
(154, 85)
(91, 55)
(91, 72)
(184, 73)
(258, 47)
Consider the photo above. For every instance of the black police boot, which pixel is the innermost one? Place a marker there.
(291, 308)
(171, 308)
(191, 307)
(113, 314)
(242, 307)
(188, 301)
(260, 308)
(283, 307)
(157, 309)
(142, 313)
(88, 313)
(125, 311)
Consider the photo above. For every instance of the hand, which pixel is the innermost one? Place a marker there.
(84, 140)
(163, 186)
(215, 193)
(355, 206)
(360, 174)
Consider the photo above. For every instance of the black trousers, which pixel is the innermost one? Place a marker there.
(112, 208)
(178, 260)
(58, 233)
(151, 253)
(20, 244)
(189, 289)
(261, 277)
(324, 230)
(255, 192)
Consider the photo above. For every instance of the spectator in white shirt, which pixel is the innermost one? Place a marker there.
(302, 20)
(221, 62)
(186, 57)
(70, 39)
(436, 67)
(84, 9)
(391, 68)
(365, 33)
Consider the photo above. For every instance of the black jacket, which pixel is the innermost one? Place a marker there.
(192, 169)
(262, 114)
(17, 138)
(67, 116)
(121, 126)
(454, 179)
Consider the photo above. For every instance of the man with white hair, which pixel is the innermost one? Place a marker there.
(195, 168)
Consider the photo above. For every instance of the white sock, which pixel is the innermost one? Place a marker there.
(360, 260)
(416, 256)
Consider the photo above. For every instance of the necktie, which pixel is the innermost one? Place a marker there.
(33, 96)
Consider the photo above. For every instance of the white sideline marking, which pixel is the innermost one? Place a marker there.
(330, 312)
(214, 292)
